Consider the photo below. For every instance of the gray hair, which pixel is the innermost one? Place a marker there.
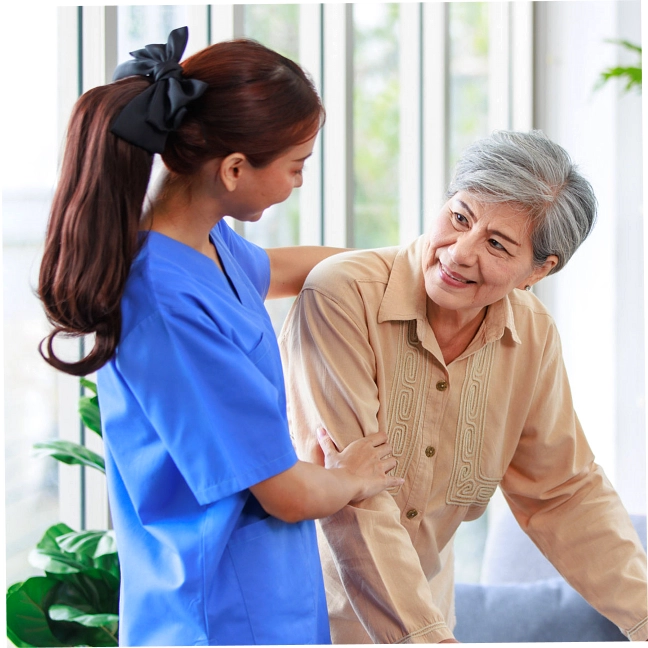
(530, 170)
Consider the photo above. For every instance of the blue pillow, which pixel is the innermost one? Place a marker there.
(547, 610)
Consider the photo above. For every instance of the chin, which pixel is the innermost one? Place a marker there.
(252, 218)
(444, 298)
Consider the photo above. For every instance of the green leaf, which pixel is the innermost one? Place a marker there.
(110, 564)
(625, 43)
(93, 592)
(631, 74)
(49, 539)
(110, 580)
(92, 595)
(56, 561)
(88, 384)
(68, 613)
(70, 453)
(89, 595)
(16, 640)
(14, 587)
(89, 413)
(89, 543)
(26, 617)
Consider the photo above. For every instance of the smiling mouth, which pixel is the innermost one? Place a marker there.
(453, 276)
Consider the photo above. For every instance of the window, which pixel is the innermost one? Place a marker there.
(467, 75)
(30, 397)
(376, 121)
(142, 24)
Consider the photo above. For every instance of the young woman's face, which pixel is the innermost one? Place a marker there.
(262, 187)
(478, 252)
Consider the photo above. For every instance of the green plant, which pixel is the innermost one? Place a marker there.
(630, 74)
(76, 602)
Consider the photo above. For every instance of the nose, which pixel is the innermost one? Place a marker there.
(299, 181)
(463, 251)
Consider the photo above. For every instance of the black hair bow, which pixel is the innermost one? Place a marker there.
(147, 119)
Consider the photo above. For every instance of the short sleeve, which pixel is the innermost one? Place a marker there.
(219, 417)
(253, 260)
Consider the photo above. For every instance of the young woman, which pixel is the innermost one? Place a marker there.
(211, 507)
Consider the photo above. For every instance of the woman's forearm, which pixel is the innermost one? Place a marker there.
(289, 267)
(307, 491)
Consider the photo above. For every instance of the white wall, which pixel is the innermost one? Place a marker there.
(597, 300)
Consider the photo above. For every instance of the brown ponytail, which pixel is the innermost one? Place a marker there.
(258, 103)
(92, 232)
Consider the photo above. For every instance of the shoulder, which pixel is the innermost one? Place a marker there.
(165, 278)
(533, 321)
(163, 268)
(525, 302)
(342, 273)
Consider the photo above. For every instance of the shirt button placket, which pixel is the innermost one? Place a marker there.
(430, 450)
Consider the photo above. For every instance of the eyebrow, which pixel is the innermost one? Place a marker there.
(496, 232)
(303, 159)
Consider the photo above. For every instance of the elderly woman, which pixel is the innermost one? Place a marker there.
(440, 344)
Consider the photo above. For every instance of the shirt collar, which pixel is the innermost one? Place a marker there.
(404, 298)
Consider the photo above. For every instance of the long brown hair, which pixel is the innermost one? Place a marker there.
(258, 103)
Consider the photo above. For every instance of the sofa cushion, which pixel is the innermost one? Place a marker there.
(510, 556)
(547, 610)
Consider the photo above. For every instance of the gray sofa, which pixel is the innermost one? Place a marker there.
(522, 598)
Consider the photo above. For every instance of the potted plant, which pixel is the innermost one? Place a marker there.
(76, 601)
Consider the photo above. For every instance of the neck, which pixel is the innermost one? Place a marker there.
(454, 330)
(182, 210)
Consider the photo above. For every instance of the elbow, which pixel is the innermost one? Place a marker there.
(290, 496)
(288, 511)
(293, 517)
(291, 503)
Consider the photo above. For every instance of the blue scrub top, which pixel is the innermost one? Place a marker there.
(194, 413)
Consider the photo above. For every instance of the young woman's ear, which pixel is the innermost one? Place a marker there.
(230, 170)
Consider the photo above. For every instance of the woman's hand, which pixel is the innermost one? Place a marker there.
(368, 459)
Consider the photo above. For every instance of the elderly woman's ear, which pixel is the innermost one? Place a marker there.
(539, 272)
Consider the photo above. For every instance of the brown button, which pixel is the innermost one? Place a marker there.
(412, 513)
(430, 451)
(442, 385)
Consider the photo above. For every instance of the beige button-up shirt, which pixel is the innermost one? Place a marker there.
(360, 356)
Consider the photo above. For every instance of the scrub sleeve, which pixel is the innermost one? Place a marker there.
(194, 413)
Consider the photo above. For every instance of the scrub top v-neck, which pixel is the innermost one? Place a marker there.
(194, 413)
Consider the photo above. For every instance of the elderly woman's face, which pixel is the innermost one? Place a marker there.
(478, 252)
